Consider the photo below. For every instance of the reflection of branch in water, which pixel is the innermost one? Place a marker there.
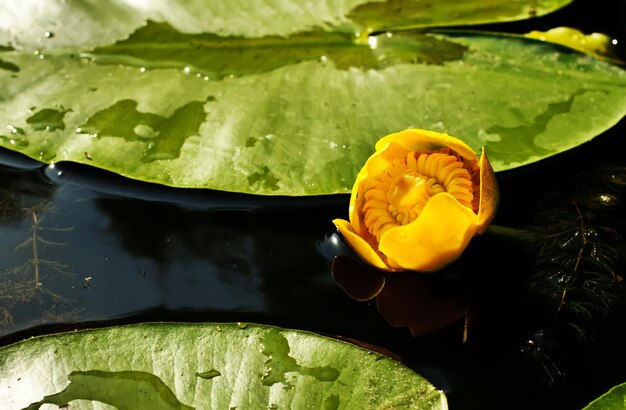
(5, 205)
(26, 197)
(13, 293)
(36, 264)
(21, 287)
(18, 297)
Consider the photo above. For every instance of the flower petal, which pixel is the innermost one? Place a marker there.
(375, 165)
(488, 194)
(359, 245)
(437, 237)
(426, 141)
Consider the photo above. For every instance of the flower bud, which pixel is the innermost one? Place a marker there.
(418, 201)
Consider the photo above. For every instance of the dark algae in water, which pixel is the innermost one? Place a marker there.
(524, 135)
(158, 45)
(123, 120)
(126, 390)
(5, 65)
(276, 347)
(209, 374)
(47, 119)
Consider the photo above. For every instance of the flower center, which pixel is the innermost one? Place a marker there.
(398, 195)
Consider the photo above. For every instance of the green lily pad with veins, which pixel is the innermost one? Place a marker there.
(85, 24)
(202, 366)
(233, 103)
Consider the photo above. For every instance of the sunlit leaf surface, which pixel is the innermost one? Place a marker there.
(225, 103)
(219, 366)
(89, 23)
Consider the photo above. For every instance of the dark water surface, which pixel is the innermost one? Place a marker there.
(82, 248)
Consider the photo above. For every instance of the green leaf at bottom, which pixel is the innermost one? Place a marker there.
(614, 399)
(216, 366)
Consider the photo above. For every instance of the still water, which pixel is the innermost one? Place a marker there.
(109, 255)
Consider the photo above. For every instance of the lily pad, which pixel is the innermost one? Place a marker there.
(220, 366)
(50, 24)
(284, 112)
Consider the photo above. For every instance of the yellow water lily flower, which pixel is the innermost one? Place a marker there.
(418, 201)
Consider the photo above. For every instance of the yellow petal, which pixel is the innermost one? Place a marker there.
(489, 195)
(375, 165)
(426, 141)
(390, 148)
(359, 245)
(437, 237)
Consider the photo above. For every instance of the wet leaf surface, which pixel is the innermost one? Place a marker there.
(213, 365)
(293, 111)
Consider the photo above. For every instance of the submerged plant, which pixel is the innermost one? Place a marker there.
(23, 284)
(577, 287)
(418, 201)
(36, 265)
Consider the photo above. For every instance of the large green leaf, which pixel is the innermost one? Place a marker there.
(217, 366)
(256, 112)
(381, 15)
(89, 23)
